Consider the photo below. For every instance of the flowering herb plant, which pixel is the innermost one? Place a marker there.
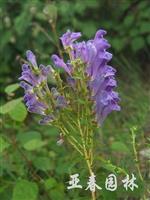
(80, 102)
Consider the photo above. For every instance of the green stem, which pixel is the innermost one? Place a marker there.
(71, 140)
(88, 157)
(136, 158)
(53, 26)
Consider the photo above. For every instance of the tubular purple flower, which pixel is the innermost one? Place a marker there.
(105, 104)
(102, 80)
(26, 86)
(34, 104)
(29, 77)
(69, 37)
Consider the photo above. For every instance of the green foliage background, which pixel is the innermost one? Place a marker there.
(32, 165)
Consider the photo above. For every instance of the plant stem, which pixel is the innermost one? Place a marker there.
(91, 172)
(72, 140)
(53, 26)
(88, 158)
(136, 158)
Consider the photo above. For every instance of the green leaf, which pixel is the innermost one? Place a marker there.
(118, 43)
(30, 140)
(22, 22)
(6, 38)
(148, 39)
(3, 144)
(129, 20)
(43, 163)
(57, 192)
(33, 144)
(50, 183)
(11, 88)
(9, 106)
(120, 147)
(25, 190)
(137, 43)
(109, 195)
(145, 27)
(106, 164)
(19, 113)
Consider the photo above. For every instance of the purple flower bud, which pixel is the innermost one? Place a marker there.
(71, 81)
(25, 67)
(46, 119)
(26, 86)
(37, 110)
(31, 58)
(60, 63)
(80, 51)
(54, 92)
(61, 102)
(45, 71)
(100, 33)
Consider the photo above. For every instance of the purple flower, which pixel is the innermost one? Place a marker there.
(37, 95)
(102, 80)
(69, 37)
(32, 83)
(102, 76)
(88, 58)
(34, 104)
(32, 77)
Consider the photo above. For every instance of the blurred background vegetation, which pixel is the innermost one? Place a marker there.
(32, 165)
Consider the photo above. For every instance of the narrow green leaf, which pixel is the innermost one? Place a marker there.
(3, 144)
(119, 146)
